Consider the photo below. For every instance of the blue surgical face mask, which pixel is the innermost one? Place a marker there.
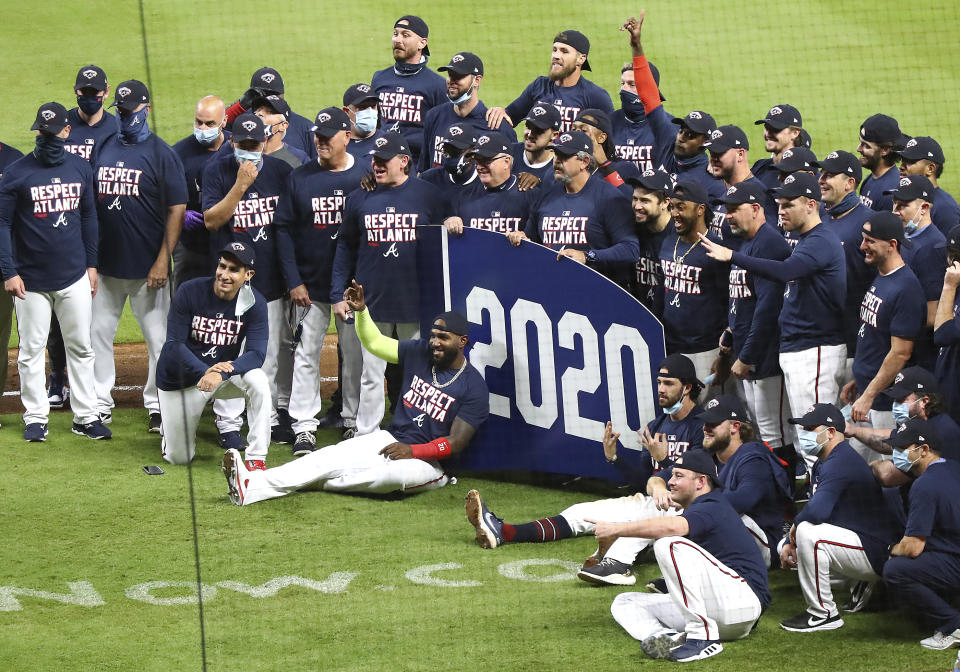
(914, 224)
(206, 136)
(901, 412)
(901, 461)
(465, 96)
(807, 442)
(670, 410)
(366, 120)
(134, 127)
(244, 155)
(49, 150)
(631, 105)
(89, 105)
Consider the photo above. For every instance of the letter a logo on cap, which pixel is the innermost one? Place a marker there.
(48, 115)
(790, 179)
(456, 59)
(713, 403)
(696, 115)
(484, 139)
(716, 135)
(456, 130)
(363, 88)
(539, 111)
(324, 118)
(732, 190)
(124, 91)
(566, 137)
(774, 111)
(89, 74)
(249, 126)
(832, 155)
(905, 182)
(380, 142)
(912, 143)
(237, 247)
(267, 77)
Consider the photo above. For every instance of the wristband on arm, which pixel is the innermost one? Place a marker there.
(438, 449)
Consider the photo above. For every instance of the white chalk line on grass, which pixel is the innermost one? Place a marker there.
(139, 388)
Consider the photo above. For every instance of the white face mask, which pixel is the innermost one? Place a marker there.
(366, 121)
(206, 136)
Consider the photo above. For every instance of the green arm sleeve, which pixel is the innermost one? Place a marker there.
(384, 347)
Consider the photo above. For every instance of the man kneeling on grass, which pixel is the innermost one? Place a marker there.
(445, 400)
(715, 575)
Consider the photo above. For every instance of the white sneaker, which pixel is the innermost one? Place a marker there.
(236, 474)
(940, 641)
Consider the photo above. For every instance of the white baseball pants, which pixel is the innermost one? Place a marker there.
(812, 376)
(616, 510)
(825, 551)
(370, 410)
(766, 400)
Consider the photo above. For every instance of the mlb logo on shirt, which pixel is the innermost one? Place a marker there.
(495, 213)
(557, 102)
(119, 164)
(55, 180)
(566, 213)
(391, 209)
(399, 89)
(253, 194)
(338, 192)
(630, 141)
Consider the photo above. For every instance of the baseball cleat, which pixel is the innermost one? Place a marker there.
(489, 527)
(35, 432)
(659, 646)
(608, 572)
(305, 444)
(940, 641)
(153, 424)
(695, 649)
(92, 430)
(657, 586)
(236, 474)
(231, 441)
(807, 622)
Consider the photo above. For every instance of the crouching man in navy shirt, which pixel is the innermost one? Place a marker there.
(201, 358)
(444, 402)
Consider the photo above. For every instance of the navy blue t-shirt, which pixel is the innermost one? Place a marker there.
(406, 99)
(766, 171)
(439, 119)
(872, 188)
(361, 148)
(8, 155)
(203, 329)
(48, 222)
(716, 526)
(846, 494)
(846, 220)
(637, 466)
(426, 409)
(378, 246)
(299, 136)
(136, 184)
(695, 295)
(947, 369)
(647, 287)
(569, 100)
(928, 263)
(934, 508)
(501, 209)
(252, 220)
(453, 190)
(945, 212)
(520, 165)
(949, 433)
(755, 303)
(194, 158)
(85, 140)
(633, 141)
(307, 223)
(892, 306)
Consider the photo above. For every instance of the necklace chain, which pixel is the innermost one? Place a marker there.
(437, 384)
(684, 256)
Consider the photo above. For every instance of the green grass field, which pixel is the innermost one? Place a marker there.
(78, 511)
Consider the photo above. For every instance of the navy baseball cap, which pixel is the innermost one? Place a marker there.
(51, 118)
(596, 118)
(724, 407)
(690, 190)
(796, 158)
(911, 188)
(805, 139)
(571, 142)
(460, 136)
(781, 117)
(923, 147)
(248, 126)
(744, 192)
(416, 25)
(884, 130)
(390, 145)
(330, 121)
(912, 380)
(358, 94)
(267, 80)
(652, 180)
(841, 162)
(884, 226)
(91, 77)
(130, 95)
(491, 144)
(952, 239)
(726, 137)
(453, 322)
(699, 461)
(915, 431)
(543, 116)
(698, 122)
(464, 63)
(578, 41)
(241, 252)
(796, 185)
(821, 414)
(680, 367)
(275, 103)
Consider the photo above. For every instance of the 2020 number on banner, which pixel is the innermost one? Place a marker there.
(562, 349)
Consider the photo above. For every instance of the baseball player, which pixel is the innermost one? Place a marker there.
(715, 576)
(564, 86)
(240, 194)
(308, 219)
(456, 178)
(377, 246)
(677, 429)
(141, 200)
(361, 105)
(924, 566)
(534, 155)
(48, 257)
(409, 89)
(632, 136)
(464, 76)
(923, 155)
(891, 318)
(445, 400)
(581, 216)
(793, 160)
(191, 256)
(216, 342)
(596, 125)
(276, 115)
(880, 140)
(946, 327)
(812, 348)
(781, 131)
(845, 529)
(755, 303)
(651, 211)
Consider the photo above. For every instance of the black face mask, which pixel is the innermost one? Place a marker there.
(89, 105)
(49, 150)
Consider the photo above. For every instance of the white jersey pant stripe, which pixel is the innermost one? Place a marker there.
(766, 400)
(827, 551)
(180, 411)
(354, 465)
(370, 410)
(812, 376)
(305, 399)
(706, 599)
(73, 307)
(149, 307)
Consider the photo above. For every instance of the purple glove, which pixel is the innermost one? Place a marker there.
(192, 220)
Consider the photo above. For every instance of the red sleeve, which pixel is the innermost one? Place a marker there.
(646, 86)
